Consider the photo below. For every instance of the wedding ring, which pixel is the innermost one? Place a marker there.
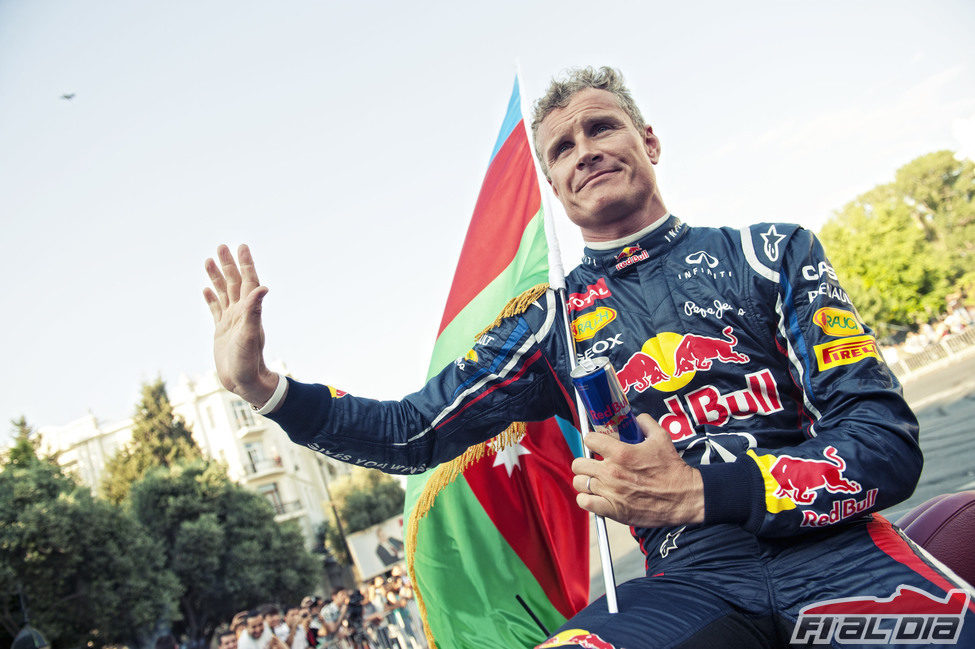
(589, 484)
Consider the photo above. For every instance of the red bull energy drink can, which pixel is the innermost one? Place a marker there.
(601, 392)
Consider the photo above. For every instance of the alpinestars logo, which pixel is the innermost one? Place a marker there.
(908, 616)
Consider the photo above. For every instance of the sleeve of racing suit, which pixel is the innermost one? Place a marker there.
(507, 376)
(859, 448)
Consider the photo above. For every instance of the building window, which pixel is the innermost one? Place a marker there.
(243, 415)
(255, 456)
(273, 496)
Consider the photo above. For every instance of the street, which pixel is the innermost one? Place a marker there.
(944, 401)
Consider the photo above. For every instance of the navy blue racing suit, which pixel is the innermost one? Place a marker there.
(745, 348)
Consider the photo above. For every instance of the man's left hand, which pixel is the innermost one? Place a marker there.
(644, 485)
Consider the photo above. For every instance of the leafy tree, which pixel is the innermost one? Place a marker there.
(367, 497)
(159, 438)
(902, 247)
(89, 572)
(222, 543)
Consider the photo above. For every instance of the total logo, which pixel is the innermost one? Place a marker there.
(593, 292)
(668, 361)
(576, 637)
(630, 255)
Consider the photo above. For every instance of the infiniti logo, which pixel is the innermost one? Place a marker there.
(701, 257)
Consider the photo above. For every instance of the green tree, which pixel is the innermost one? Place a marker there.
(222, 543)
(367, 497)
(902, 247)
(159, 438)
(90, 573)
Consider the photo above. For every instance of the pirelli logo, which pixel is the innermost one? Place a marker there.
(846, 351)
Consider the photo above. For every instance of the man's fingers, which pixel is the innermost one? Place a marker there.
(230, 272)
(253, 304)
(214, 303)
(248, 271)
(219, 283)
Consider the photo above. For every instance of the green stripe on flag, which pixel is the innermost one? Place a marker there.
(501, 575)
(528, 268)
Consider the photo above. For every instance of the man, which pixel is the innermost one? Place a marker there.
(226, 639)
(257, 634)
(773, 428)
(272, 617)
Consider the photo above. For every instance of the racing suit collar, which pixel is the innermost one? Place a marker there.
(629, 254)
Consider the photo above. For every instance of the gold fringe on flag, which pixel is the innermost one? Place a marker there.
(447, 472)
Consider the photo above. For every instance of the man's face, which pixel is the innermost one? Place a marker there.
(601, 166)
(274, 620)
(255, 626)
(228, 641)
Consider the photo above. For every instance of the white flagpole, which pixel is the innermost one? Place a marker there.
(556, 280)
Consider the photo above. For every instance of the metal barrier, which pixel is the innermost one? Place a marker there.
(945, 349)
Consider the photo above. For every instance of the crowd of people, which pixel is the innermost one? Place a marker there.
(380, 614)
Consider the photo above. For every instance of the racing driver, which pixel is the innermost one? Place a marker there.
(774, 430)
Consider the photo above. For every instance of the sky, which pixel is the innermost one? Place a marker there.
(346, 143)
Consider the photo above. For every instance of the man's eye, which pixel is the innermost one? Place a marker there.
(562, 148)
(600, 128)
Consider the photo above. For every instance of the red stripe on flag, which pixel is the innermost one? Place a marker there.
(508, 200)
(535, 510)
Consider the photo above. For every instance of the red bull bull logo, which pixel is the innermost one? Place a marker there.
(593, 292)
(630, 255)
(578, 638)
(800, 478)
(908, 616)
(699, 352)
(668, 361)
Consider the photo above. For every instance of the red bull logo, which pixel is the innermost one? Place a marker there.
(908, 616)
(593, 292)
(799, 478)
(630, 255)
(698, 352)
(336, 393)
(708, 406)
(578, 638)
(668, 361)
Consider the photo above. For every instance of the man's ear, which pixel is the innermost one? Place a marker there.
(652, 144)
(554, 188)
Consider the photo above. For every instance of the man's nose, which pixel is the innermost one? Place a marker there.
(586, 154)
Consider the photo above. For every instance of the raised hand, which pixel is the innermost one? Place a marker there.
(645, 484)
(238, 338)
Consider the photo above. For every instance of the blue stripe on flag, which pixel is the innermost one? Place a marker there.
(511, 119)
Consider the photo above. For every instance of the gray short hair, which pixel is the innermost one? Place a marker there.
(560, 93)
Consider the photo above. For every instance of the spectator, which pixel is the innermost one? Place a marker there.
(272, 617)
(296, 621)
(257, 634)
(226, 638)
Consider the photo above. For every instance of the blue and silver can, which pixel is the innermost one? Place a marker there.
(601, 392)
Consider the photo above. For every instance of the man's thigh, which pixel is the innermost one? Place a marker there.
(870, 586)
(672, 612)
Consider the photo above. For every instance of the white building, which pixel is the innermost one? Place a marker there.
(257, 452)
